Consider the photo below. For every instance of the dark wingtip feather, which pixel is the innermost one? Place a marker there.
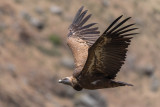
(80, 18)
(129, 34)
(82, 7)
(129, 85)
(123, 28)
(88, 26)
(77, 14)
(113, 23)
(124, 83)
(122, 22)
(128, 30)
(85, 20)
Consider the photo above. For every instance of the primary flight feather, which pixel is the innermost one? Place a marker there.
(97, 58)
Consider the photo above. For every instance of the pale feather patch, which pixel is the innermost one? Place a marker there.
(79, 49)
(95, 82)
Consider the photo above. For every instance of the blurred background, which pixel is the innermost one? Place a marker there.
(34, 54)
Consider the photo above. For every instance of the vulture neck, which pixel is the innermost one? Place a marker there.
(75, 84)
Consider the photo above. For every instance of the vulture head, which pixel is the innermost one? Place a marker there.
(71, 81)
(66, 81)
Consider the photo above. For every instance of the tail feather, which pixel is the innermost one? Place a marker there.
(119, 83)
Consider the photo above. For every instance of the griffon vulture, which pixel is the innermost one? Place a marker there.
(97, 58)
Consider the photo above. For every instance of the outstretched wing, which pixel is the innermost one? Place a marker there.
(81, 37)
(108, 54)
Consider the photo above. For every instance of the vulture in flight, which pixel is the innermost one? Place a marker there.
(98, 58)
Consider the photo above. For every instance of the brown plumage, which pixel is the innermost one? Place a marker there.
(97, 58)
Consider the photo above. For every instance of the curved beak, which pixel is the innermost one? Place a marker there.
(60, 81)
(65, 81)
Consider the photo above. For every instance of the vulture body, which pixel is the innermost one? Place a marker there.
(97, 58)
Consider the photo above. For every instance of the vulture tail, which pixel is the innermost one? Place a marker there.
(119, 83)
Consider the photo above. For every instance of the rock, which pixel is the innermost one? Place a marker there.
(19, 1)
(11, 68)
(1, 13)
(24, 35)
(39, 24)
(39, 10)
(25, 15)
(85, 101)
(148, 70)
(92, 99)
(105, 3)
(131, 61)
(67, 62)
(2, 42)
(56, 10)
(2, 26)
(98, 98)
(65, 92)
(155, 84)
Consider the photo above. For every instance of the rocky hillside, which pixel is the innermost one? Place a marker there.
(34, 54)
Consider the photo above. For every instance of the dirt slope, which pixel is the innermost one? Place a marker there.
(34, 55)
